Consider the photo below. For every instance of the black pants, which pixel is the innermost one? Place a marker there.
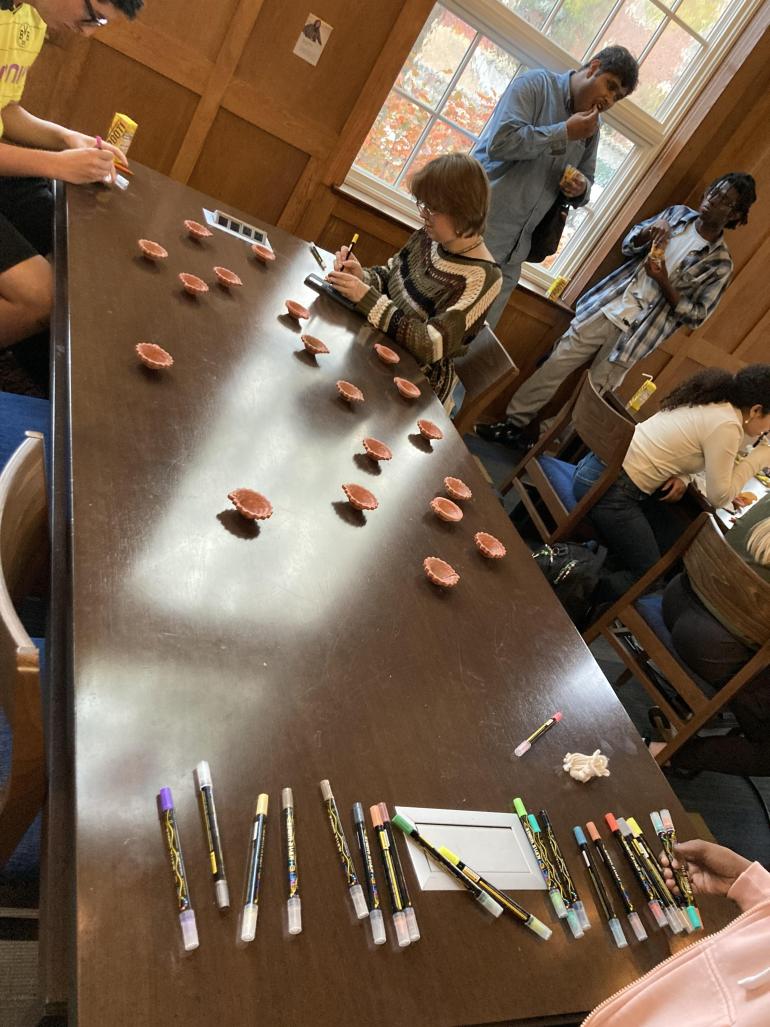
(708, 648)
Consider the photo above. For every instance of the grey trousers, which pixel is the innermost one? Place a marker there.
(595, 338)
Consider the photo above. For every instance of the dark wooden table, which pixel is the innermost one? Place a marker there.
(310, 647)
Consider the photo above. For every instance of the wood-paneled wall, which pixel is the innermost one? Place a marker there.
(223, 103)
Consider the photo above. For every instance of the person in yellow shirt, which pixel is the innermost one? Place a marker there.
(34, 151)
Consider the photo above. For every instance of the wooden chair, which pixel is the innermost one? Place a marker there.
(23, 552)
(730, 588)
(603, 429)
(485, 370)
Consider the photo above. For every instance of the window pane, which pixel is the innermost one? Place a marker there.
(633, 27)
(392, 138)
(702, 15)
(577, 23)
(480, 86)
(613, 150)
(435, 57)
(533, 11)
(441, 139)
(664, 66)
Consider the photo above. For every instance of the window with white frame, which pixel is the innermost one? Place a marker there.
(468, 52)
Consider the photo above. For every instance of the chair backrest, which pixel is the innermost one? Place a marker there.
(731, 590)
(485, 370)
(23, 548)
(604, 429)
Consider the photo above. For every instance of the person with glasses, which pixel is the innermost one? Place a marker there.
(678, 270)
(432, 297)
(32, 152)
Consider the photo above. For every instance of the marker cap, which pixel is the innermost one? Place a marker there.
(203, 773)
(403, 823)
(574, 923)
(558, 903)
(411, 923)
(533, 822)
(326, 790)
(222, 894)
(665, 817)
(522, 748)
(489, 903)
(539, 928)
(359, 901)
(657, 823)
(358, 813)
(249, 922)
(657, 913)
(189, 930)
(518, 808)
(694, 916)
(673, 920)
(262, 803)
(637, 926)
(166, 801)
(377, 924)
(617, 932)
(593, 834)
(580, 909)
(684, 920)
(579, 834)
(402, 929)
(294, 909)
(287, 798)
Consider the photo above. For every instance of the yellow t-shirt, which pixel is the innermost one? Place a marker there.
(22, 33)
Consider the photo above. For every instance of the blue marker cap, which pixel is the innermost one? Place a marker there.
(533, 822)
(657, 823)
(580, 838)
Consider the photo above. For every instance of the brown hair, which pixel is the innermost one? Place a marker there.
(455, 185)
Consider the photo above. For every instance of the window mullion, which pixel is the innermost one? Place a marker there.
(551, 16)
(603, 28)
(672, 16)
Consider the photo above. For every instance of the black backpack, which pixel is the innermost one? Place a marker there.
(573, 572)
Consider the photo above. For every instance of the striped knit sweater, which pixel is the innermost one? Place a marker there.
(432, 302)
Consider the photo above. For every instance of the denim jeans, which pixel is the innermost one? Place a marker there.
(635, 527)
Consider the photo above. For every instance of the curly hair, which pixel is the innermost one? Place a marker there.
(744, 186)
(128, 7)
(749, 387)
(618, 61)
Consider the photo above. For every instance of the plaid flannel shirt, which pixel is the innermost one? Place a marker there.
(700, 280)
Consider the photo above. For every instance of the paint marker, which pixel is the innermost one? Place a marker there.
(509, 905)
(645, 884)
(411, 916)
(293, 902)
(346, 860)
(254, 872)
(655, 879)
(526, 745)
(677, 918)
(403, 823)
(396, 898)
(669, 840)
(545, 867)
(563, 872)
(601, 893)
(173, 841)
(633, 917)
(211, 827)
(317, 256)
(376, 921)
(568, 897)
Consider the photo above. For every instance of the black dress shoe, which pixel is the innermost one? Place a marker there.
(503, 432)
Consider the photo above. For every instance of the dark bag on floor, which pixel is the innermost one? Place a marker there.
(546, 237)
(573, 573)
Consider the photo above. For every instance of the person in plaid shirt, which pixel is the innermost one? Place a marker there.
(679, 268)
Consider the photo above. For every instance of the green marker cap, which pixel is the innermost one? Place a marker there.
(519, 808)
(404, 823)
(533, 823)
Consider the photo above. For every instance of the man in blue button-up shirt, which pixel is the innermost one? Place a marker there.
(544, 122)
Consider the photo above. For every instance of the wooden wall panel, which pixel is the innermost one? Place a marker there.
(199, 26)
(238, 165)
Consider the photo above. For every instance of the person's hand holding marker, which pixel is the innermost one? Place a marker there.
(713, 869)
(347, 262)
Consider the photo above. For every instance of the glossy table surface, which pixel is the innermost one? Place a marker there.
(309, 647)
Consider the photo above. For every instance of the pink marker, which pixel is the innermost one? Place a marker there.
(526, 745)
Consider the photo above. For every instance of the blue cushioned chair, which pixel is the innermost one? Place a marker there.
(602, 429)
(730, 589)
(23, 552)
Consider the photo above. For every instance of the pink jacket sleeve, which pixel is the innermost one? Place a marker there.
(751, 888)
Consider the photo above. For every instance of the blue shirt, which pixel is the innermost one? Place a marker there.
(524, 150)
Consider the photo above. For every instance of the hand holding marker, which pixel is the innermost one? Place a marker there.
(664, 827)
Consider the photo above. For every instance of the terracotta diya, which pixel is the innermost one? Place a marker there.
(429, 430)
(457, 489)
(296, 310)
(440, 572)
(263, 253)
(489, 546)
(377, 450)
(314, 345)
(227, 277)
(446, 509)
(407, 389)
(152, 250)
(350, 392)
(153, 356)
(192, 284)
(250, 504)
(359, 497)
(197, 230)
(386, 354)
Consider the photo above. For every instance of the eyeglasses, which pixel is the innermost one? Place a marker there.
(423, 210)
(93, 19)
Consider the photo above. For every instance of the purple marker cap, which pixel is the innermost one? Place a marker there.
(166, 801)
